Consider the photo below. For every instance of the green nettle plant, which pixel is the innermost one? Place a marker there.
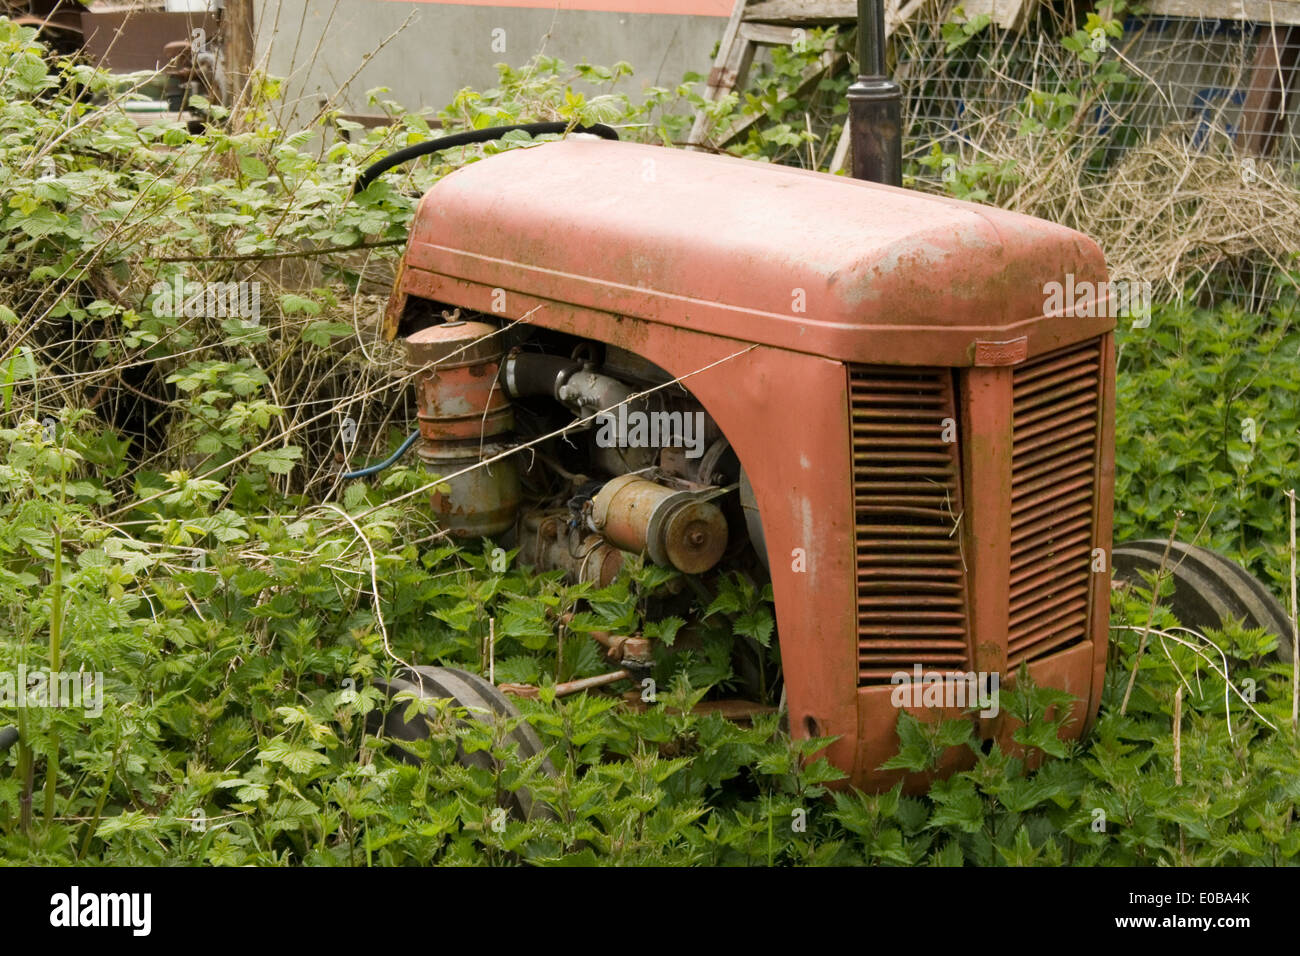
(1209, 423)
(173, 521)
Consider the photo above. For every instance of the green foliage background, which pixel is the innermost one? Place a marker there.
(240, 599)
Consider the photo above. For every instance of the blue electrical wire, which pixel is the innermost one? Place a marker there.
(387, 462)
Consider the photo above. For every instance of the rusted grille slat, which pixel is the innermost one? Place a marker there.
(1032, 613)
(1033, 524)
(1070, 380)
(1067, 404)
(1052, 629)
(1074, 489)
(1029, 377)
(907, 496)
(923, 647)
(1041, 476)
(894, 559)
(1055, 402)
(942, 577)
(1030, 561)
(1028, 581)
(1050, 452)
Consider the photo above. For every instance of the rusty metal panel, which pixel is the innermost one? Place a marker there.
(810, 262)
(911, 577)
(985, 403)
(1056, 405)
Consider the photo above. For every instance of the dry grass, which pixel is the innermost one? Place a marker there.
(1168, 195)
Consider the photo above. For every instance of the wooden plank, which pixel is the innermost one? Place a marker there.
(767, 34)
(811, 75)
(774, 23)
(841, 149)
(1264, 111)
(1286, 12)
(239, 46)
(825, 12)
(726, 66)
(1008, 14)
(725, 51)
(803, 12)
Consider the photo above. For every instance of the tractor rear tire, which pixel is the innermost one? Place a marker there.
(1208, 588)
(484, 702)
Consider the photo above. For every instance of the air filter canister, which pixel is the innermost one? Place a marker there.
(464, 416)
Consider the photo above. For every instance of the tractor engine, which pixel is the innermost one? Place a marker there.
(617, 464)
(870, 395)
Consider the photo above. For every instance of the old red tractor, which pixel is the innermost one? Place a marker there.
(868, 394)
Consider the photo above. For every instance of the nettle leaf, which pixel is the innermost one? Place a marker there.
(321, 332)
(1043, 735)
(914, 752)
(294, 757)
(726, 602)
(757, 624)
(278, 461)
(252, 167)
(293, 304)
(958, 805)
(664, 631)
(460, 617)
(527, 627)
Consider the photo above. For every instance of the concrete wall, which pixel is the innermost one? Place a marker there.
(318, 45)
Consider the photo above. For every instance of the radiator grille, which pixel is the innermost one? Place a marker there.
(1053, 491)
(907, 498)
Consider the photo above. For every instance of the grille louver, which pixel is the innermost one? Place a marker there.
(907, 497)
(1053, 491)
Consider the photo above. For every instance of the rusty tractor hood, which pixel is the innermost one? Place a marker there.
(807, 261)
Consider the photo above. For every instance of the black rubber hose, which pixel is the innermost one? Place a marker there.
(467, 138)
(533, 373)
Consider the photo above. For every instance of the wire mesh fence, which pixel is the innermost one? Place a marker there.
(1172, 140)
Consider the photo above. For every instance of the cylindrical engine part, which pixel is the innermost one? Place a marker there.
(547, 544)
(459, 397)
(464, 413)
(676, 528)
(481, 502)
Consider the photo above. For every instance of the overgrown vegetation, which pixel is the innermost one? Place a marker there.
(172, 516)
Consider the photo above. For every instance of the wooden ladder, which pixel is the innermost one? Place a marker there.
(755, 23)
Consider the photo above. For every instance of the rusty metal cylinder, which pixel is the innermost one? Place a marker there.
(458, 395)
(675, 528)
(547, 543)
(464, 416)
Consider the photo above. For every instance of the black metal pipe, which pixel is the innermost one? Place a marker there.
(875, 104)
